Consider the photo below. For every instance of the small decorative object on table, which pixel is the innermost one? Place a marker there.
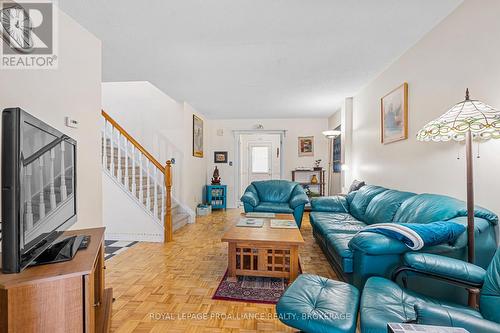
(215, 177)
(283, 224)
(317, 164)
(314, 180)
(250, 222)
(216, 196)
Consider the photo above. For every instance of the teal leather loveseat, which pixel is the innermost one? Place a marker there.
(276, 196)
(356, 257)
(315, 304)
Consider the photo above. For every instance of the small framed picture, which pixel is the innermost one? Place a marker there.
(197, 136)
(306, 145)
(220, 157)
(394, 115)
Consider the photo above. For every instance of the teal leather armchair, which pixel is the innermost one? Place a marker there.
(358, 256)
(276, 196)
(384, 301)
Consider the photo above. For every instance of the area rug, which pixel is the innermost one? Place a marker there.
(251, 289)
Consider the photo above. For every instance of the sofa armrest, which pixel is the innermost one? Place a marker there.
(335, 204)
(431, 314)
(444, 267)
(376, 244)
(250, 198)
(298, 200)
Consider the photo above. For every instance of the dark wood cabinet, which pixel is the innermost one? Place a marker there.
(64, 297)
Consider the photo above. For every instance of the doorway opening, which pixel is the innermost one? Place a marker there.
(260, 157)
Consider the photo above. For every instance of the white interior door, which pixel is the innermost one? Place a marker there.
(260, 161)
(259, 158)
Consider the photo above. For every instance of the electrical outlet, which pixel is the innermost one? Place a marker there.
(71, 122)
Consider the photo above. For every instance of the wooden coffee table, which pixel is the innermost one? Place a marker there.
(263, 251)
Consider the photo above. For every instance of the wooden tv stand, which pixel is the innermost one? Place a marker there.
(63, 297)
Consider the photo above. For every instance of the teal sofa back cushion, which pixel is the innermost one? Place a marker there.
(425, 208)
(489, 302)
(362, 199)
(384, 206)
(278, 191)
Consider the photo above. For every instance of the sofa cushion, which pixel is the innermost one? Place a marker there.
(317, 304)
(337, 245)
(384, 206)
(383, 301)
(274, 190)
(326, 223)
(425, 208)
(490, 293)
(362, 199)
(274, 207)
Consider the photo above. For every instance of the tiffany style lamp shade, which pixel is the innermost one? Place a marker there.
(468, 120)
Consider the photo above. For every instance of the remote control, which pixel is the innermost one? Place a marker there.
(85, 242)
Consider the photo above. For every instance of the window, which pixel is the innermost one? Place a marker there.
(260, 160)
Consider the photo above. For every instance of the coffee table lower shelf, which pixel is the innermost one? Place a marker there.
(256, 259)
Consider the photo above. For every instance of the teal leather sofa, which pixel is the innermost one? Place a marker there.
(384, 301)
(356, 257)
(316, 304)
(276, 196)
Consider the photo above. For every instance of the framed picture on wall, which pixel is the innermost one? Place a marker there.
(220, 157)
(394, 115)
(197, 136)
(306, 145)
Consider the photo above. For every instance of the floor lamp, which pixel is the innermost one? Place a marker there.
(330, 135)
(468, 120)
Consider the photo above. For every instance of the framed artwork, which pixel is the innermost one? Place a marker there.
(220, 157)
(306, 145)
(394, 115)
(197, 136)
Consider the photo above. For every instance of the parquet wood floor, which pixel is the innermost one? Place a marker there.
(159, 288)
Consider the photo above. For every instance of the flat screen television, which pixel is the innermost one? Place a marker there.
(38, 188)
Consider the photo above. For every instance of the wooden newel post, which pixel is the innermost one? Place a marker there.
(168, 202)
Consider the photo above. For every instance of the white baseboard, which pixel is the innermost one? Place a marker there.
(141, 237)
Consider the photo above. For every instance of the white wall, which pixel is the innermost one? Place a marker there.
(164, 127)
(463, 51)
(74, 89)
(294, 128)
(335, 183)
(123, 216)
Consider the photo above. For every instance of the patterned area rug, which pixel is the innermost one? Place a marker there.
(251, 289)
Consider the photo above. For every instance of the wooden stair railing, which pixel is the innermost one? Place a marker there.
(164, 212)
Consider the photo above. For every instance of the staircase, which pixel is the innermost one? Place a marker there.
(146, 181)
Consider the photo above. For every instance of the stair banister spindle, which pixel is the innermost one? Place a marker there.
(41, 204)
(64, 192)
(104, 145)
(134, 187)
(119, 158)
(141, 181)
(167, 228)
(52, 180)
(112, 151)
(29, 205)
(162, 184)
(148, 187)
(155, 192)
(126, 165)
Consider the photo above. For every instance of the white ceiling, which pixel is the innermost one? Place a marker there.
(256, 58)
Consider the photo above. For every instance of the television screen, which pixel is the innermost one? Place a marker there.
(38, 172)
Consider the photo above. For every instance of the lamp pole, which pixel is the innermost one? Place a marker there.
(470, 197)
